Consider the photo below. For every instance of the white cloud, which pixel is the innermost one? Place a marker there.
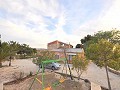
(111, 19)
(61, 21)
(27, 22)
(31, 11)
(11, 31)
(107, 20)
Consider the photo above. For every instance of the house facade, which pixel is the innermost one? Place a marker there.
(62, 50)
(69, 52)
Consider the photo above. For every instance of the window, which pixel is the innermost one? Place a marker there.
(69, 57)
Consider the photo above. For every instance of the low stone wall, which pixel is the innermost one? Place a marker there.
(114, 71)
(95, 86)
(1, 86)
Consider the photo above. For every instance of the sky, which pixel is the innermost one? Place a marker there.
(38, 22)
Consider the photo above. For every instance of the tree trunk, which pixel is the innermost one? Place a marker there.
(24, 55)
(10, 61)
(0, 64)
(107, 76)
(78, 77)
(68, 64)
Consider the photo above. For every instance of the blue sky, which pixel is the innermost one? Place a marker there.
(37, 22)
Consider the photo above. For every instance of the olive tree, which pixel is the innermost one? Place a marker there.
(80, 64)
(102, 53)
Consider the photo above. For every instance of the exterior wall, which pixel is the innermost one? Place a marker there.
(52, 46)
(59, 53)
(69, 56)
(57, 48)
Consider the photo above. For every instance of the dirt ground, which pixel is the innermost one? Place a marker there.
(49, 79)
(19, 65)
(93, 73)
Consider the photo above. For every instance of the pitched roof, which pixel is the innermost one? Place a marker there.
(58, 42)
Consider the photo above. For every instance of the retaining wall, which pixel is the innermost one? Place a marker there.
(114, 71)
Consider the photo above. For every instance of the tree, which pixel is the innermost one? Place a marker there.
(24, 50)
(102, 53)
(113, 36)
(34, 51)
(45, 55)
(115, 64)
(4, 52)
(14, 46)
(82, 41)
(79, 46)
(79, 64)
(85, 39)
(9, 49)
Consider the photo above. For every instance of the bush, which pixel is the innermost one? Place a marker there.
(18, 75)
(31, 73)
(114, 64)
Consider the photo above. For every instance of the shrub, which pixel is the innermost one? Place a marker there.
(18, 75)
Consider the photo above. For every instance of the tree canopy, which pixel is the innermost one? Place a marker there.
(45, 55)
(9, 49)
(80, 64)
(104, 53)
(112, 36)
(79, 46)
(4, 51)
